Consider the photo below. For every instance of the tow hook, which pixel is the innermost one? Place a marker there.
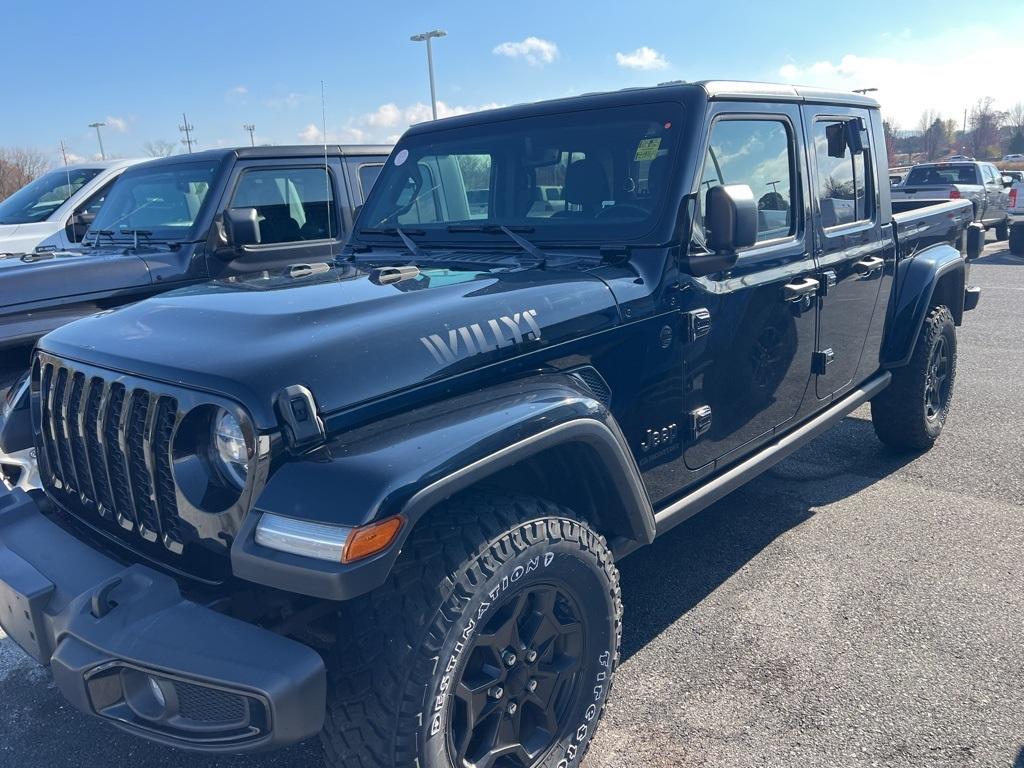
(101, 604)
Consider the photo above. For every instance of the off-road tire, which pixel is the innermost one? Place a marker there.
(900, 413)
(1003, 230)
(1017, 239)
(402, 648)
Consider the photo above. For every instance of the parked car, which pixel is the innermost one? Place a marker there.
(1012, 177)
(959, 159)
(1014, 157)
(54, 211)
(381, 499)
(981, 183)
(164, 225)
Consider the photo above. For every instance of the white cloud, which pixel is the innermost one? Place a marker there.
(118, 124)
(384, 124)
(642, 58)
(238, 92)
(910, 78)
(535, 50)
(288, 101)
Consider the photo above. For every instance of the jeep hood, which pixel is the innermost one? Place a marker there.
(343, 334)
(31, 280)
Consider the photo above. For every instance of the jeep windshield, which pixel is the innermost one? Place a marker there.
(162, 202)
(37, 200)
(587, 176)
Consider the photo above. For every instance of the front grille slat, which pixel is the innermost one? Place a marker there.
(165, 496)
(92, 418)
(139, 420)
(58, 404)
(76, 432)
(116, 462)
(45, 421)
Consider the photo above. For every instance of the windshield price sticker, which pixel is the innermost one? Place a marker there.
(401, 157)
(647, 149)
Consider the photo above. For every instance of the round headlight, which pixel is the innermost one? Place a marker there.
(230, 450)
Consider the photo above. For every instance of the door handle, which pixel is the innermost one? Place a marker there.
(798, 289)
(869, 265)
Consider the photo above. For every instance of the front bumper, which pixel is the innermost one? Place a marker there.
(124, 645)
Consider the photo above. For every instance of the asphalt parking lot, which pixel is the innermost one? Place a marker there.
(852, 607)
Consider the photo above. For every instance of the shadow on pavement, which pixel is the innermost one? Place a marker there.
(662, 582)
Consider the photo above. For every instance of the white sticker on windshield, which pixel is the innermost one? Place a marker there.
(401, 157)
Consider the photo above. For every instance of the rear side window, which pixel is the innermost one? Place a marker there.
(367, 175)
(844, 189)
(942, 175)
(758, 153)
(292, 204)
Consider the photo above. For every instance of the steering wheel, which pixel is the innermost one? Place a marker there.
(618, 210)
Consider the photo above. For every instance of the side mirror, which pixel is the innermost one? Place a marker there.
(78, 225)
(730, 222)
(1007, 181)
(856, 136)
(975, 240)
(243, 226)
(731, 218)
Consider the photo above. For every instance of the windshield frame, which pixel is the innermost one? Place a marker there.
(461, 139)
(56, 174)
(183, 234)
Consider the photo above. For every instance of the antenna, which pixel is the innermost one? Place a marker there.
(327, 173)
(187, 129)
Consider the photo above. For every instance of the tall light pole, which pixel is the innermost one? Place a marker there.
(250, 127)
(862, 91)
(428, 36)
(99, 137)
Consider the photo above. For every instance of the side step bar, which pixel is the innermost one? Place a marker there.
(767, 457)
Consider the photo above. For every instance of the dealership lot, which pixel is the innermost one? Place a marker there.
(852, 607)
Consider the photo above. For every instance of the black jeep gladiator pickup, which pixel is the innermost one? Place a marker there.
(381, 499)
(163, 227)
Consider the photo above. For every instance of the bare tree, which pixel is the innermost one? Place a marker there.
(985, 122)
(159, 148)
(1015, 117)
(890, 128)
(933, 134)
(19, 166)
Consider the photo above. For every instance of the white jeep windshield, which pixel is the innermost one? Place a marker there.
(38, 200)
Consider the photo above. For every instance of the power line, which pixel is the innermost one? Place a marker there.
(187, 129)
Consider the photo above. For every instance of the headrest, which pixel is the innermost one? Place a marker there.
(586, 183)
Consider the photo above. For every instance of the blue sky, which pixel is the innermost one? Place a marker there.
(138, 65)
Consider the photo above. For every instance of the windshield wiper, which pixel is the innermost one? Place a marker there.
(389, 231)
(522, 242)
(136, 234)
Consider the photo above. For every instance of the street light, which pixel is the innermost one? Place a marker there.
(427, 37)
(250, 127)
(97, 126)
(862, 91)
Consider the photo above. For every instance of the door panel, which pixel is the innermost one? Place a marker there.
(848, 246)
(753, 365)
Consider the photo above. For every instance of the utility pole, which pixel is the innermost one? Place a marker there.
(250, 127)
(427, 37)
(862, 91)
(99, 137)
(187, 129)
(64, 152)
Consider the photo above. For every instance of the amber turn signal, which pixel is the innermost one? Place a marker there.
(370, 540)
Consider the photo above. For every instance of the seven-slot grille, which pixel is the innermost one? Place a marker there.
(109, 446)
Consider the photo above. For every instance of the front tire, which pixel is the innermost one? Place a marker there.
(493, 642)
(910, 413)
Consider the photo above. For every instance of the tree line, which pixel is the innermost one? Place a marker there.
(989, 134)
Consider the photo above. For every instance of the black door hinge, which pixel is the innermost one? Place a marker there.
(822, 360)
(698, 323)
(700, 421)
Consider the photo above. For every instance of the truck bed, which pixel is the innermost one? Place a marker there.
(920, 223)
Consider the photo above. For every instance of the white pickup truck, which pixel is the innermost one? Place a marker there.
(53, 212)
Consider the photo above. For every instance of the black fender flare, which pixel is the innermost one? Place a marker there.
(917, 279)
(407, 464)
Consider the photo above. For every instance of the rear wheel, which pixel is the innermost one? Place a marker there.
(493, 643)
(1003, 230)
(910, 413)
